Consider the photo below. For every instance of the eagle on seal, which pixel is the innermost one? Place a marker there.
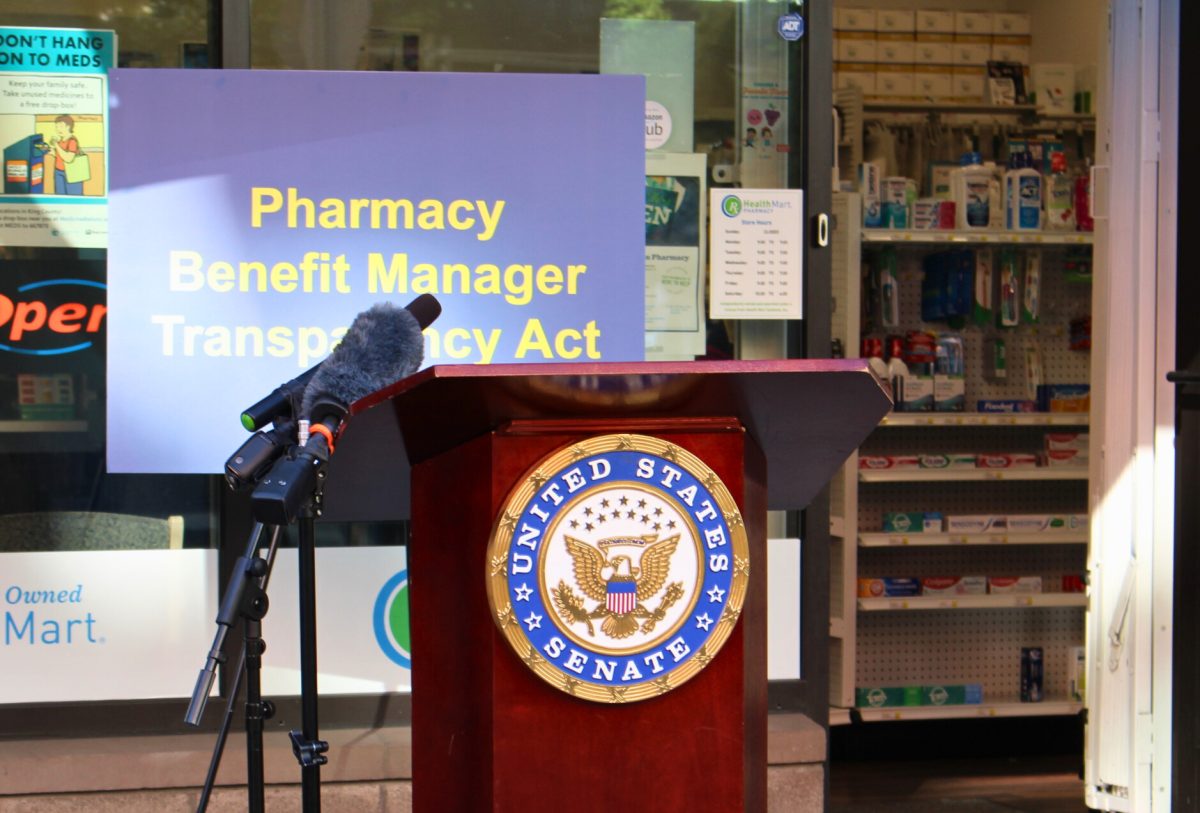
(618, 584)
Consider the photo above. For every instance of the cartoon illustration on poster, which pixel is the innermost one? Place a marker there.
(54, 135)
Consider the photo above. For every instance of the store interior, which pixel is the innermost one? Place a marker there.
(960, 540)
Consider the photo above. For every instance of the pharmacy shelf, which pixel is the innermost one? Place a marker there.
(43, 426)
(941, 236)
(885, 539)
(984, 602)
(971, 475)
(1046, 708)
(994, 419)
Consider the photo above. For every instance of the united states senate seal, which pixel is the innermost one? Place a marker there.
(618, 567)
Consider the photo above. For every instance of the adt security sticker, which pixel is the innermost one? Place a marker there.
(791, 26)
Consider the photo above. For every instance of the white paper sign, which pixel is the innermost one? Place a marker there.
(362, 623)
(756, 246)
(105, 625)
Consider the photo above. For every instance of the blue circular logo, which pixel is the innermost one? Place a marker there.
(618, 568)
(731, 205)
(391, 620)
(791, 26)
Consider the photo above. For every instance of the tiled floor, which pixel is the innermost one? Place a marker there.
(1034, 785)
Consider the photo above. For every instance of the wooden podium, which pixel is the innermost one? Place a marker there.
(526, 699)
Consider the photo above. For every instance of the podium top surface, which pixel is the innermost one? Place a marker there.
(807, 415)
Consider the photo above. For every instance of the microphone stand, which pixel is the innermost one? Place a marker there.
(245, 596)
(307, 747)
(292, 492)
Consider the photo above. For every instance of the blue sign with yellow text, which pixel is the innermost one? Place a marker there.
(254, 213)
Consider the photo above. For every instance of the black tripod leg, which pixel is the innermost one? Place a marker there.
(308, 749)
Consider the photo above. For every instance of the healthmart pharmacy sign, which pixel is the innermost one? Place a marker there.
(104, 625)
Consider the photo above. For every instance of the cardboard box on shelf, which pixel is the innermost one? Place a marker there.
(934, 49)
(971, 51)
(855, 75)
(933, 21)
(1008, 23)
(854, 46)
(973, 22)
(854, 19)
(901, 21)
(895, 49)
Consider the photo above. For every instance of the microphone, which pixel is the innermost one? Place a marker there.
(280, 402)
(383, 345)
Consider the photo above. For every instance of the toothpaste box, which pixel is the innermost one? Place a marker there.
(912, 522)
(954, 586)
(876, 697)
(1006, 461)
(975, 523)
(948, 694)
(1073, 441)
(947, 461)
(1065, 457)
(1064, 398)
(889, 588)
(1040, 523)
(889, 462)
(917, 394)
(1015, 585)
(949, 393)
(1076, 673)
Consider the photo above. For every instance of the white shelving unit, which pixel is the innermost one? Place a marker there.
(985, 602)
(956, 639)
(932, 237)
(969, 475)
(884, 539)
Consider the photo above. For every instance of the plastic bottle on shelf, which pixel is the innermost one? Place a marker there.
(972, 181)
(897, 370)
(1083, 207)
(1023, 185)
(1060, 195)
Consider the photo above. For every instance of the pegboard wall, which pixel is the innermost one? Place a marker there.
(967, 646)
(1061, 301)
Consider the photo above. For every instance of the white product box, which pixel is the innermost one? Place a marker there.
(854, 46)
(933, 82)
(855, 75)
(895, 84)
(895, 49)
(975, 523)
(935, 22)
(1007, 23)
(1015, 585)
(1076, 673)
(971, 51)
(947, 461)
(1066, 457)
(934, 49)
(854, 19)
(1018, 460)
(1042, 523)
(898, 20)
(954, 586)
(1010, 51)
(973, 22)
(969, 83)
(875, 462)
(1067, 440)
(1054, 85)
